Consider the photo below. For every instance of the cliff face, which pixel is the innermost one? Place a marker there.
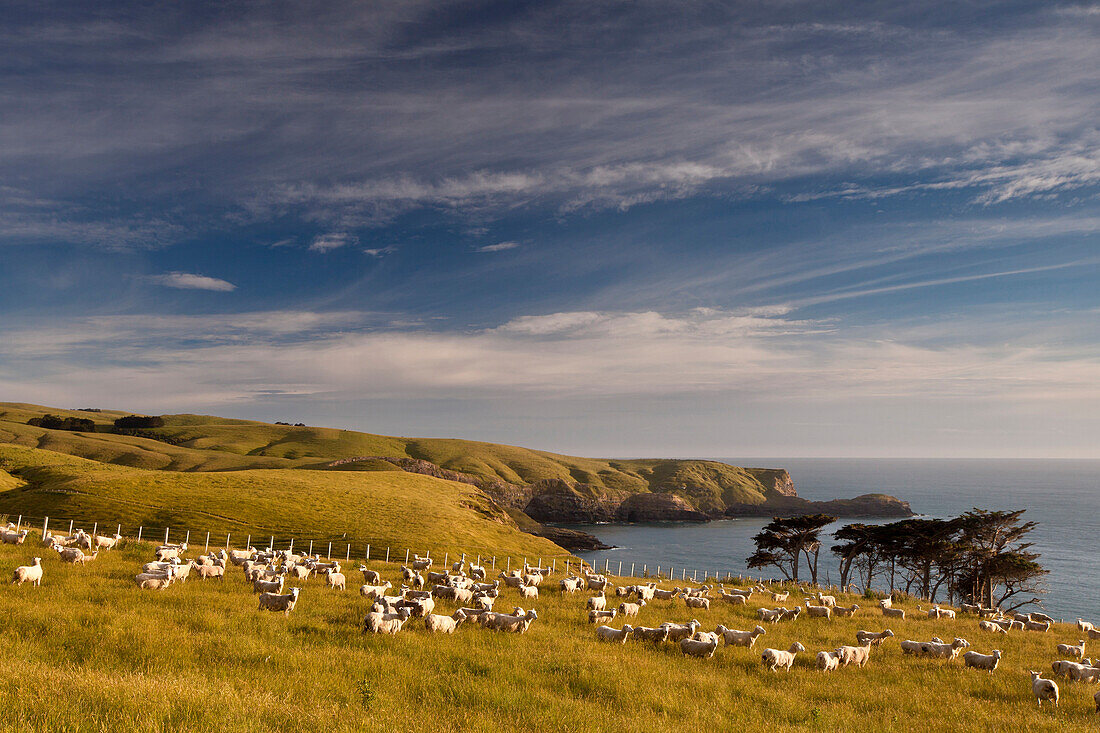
(679, 491)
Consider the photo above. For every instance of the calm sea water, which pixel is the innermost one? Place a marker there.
(1062, 496)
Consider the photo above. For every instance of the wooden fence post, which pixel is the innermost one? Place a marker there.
(348, 558)
(248, 542)
(494, 562)
(311, 547)
(45, 526)
(19, 523)
(387, 554)
(368, 553)
(187, 539)
(330, 551)
(139, 534)
(406, 556)
(645, 571)
(271, 544)
(227, 535)
(70, 526)
(509, 568)
(95, 529)
(207, 543)
(167, 530)
(631, 570)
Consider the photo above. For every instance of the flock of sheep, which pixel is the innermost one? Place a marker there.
(467, 587)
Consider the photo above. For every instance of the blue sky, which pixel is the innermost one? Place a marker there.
(794, 228)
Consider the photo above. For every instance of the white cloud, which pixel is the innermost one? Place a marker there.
(330, 241)
(190, 281)
(498, 247)
(380, 251)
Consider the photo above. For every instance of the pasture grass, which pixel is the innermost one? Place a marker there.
(89, 651)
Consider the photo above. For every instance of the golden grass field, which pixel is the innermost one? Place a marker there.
(89, 651)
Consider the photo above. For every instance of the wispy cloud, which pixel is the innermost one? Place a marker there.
(498, 247)
(380, 251)
(331, 241)
(191, 281)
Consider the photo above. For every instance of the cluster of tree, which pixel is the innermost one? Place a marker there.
(56, 422)
(296, 425)
(139, 422)
(979, 557)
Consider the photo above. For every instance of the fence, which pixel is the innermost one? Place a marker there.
(341, 547)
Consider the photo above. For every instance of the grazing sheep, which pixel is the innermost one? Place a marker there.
(72, 555)
(618, 636)
(912, 647)
(937, 612)
(594, 616)
(513, 624)
(890, 612)
(940, 650)
(597, 603)
(267, 586)
(733, 637)
(1007, 623)
(857, 655)
(238, 557)
(512, 581)
(155, 583)
(337, 581)
(992, 627)
(791, 614)
(418, 607)
(570, 585)
(374, 591)
(678, 632)
(1040, 617)
(598, 583)
(665, 595)
(1077, 652)
(646, 592)
(818, 611)
(1041, 626)
(444, 624)
(829, 601)
(988, 662)
(875, 639)
(104, 542)
(1043, 689)
(736, 599)
(780, 597)
(28, 573)
(631, 609)
(275, 602)
(370, 577)
(697, 602)
(385, 623)
(1093, 633)
(14, 538)
(206, 571)
(525, 591)
(657, 635)
(704, 649)
(828, 661)
(849, 611)
(421, 563)
(970, 608)
(773, 659)
(770, 615)
(477, 572)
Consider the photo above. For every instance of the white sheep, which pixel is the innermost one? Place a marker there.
(829, 601)
(702, 648)
(665, 595)
(525, 591)
(514, 624)
(374, 591)
(1077, 652)
(1040, 617)
(276, 602)
(267, 586)
(818, 611)
(857, 655)
(773, 659)
(891, 612)
(940, 650)
(645, 633)
(594, 616)
(770, 615)
(631, 609)
(780, 597)
(370, 577)
(14, 538)
(206, 571)
(1084, 626)
(617, 636)
(337, 581)
(697, 602)
(597, 603)
(875, 639)
(28, 573)
(733, 637)
(988, 662)
(385, 623)
(444, 624)
(828, 661)
(992, 627)
(1041, 626)
(569, 585)
(1043, 689)
(677, 632)
(849, 611)
(103, 542)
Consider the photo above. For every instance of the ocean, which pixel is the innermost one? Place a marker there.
(1062, 496)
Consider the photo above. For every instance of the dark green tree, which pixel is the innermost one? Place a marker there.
(784, 541)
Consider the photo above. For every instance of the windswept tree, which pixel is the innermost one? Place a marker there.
(784, 541)
(860, 541)
(998, 564)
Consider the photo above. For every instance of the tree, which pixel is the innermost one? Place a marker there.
(860, 541)
(997, 555)
(783, 542)
(138, 422)
(56, 422)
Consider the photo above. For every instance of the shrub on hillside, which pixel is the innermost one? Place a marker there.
(139, 422)
(56, 422)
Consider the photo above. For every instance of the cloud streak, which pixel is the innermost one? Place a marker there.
(191, 281)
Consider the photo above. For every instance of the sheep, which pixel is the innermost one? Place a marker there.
(370, 577)
(937, 612)
(444, 624)
(596, 582)
(277, 602)
(374, 591)
(525, 591)
(597, 603)
(940, 650)
(1069, 668)
(1093, 633)
(208, 571)
(876, 639)
(617, 636)
(13, 538)
(645, 633)
(165, 552)
(677, 632)
(337, 581)
(28, 573)
(1041, 626)
(1040, 617)
(167, 576)
(770, 615)
(988, 662)
(569, 585)
(849, 611)
(970, 608)
(733, 637)
(828, 601)
(858, 655)
(704, 649)
(267, 586)
(594, 616)
(385, 623)
(464, 595)
(773, 659)
(155, 583)
(734, 598)
(790, 615)
(992, 627)
(484, 602)
(665, 595)
(1084, 626)
(818, 611)
(828, 661)
(70, 554)
(631, 609)
(421, 563)
(1043, 689)
(104, 542)
(780, 597)
(238, 557)
(514, 624)
(512, 581)
(912, 647)
(697, 602)
(532, 579)
(886, 603)
(418, 607)
(1007, 624)
(1077, 652)
(890, 612)
(477, 572)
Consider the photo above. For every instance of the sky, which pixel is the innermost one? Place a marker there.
(602, 228)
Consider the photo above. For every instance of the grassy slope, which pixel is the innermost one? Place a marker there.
(199, 656)
(211, 444)
(390, 508)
